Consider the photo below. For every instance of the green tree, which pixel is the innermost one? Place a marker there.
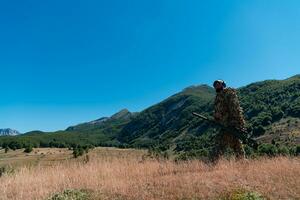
(78, 151)
(28, 149)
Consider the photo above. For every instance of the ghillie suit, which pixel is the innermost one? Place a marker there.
(229, 114)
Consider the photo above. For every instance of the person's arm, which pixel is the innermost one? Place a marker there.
(235, 111)
(217, 113)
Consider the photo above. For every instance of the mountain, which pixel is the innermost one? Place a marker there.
(169, 119)
(271, 109)
(8, 132)
(105, 124)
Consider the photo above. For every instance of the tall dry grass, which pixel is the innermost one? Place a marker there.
(130, 178)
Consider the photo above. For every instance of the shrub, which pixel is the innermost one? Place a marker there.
(258, 130)
(294, 109)
(78, 151)
(267, 149)
(6, 170)
(71, 195)
(28, 149)
(229, 153)
(241, 194)
(295, 151)
(200, 154)
(283, 150)
(250, 153)
(277, 113)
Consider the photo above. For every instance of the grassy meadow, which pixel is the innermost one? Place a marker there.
(111, 173)
(39, 156)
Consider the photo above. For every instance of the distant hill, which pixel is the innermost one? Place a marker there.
(119, 118)
(8, 132)
(271, 108)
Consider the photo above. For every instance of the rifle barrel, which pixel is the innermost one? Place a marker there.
(201, 116)
(242, 135)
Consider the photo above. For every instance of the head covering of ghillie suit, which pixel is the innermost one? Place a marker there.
(228, 113)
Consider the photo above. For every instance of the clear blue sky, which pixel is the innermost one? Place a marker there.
(67, 61)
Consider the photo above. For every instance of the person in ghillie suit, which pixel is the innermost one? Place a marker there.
(229, 114)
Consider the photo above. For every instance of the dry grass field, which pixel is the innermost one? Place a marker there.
(126, 174)
(40, 156)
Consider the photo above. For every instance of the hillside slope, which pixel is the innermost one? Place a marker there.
(168, 119)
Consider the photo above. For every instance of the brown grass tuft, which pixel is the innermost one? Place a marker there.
(127, 177)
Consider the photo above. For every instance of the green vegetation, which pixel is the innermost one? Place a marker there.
(71, 195)
(6, 170)
(271, 108)
(195, 148)
(241, 194)
(269, 101)
(81, 150)
(28, 149)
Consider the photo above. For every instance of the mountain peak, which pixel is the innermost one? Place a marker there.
(193, 87)
(124, 113)
(8, 132)
(199, 90)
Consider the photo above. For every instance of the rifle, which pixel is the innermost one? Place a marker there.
(238, 133)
